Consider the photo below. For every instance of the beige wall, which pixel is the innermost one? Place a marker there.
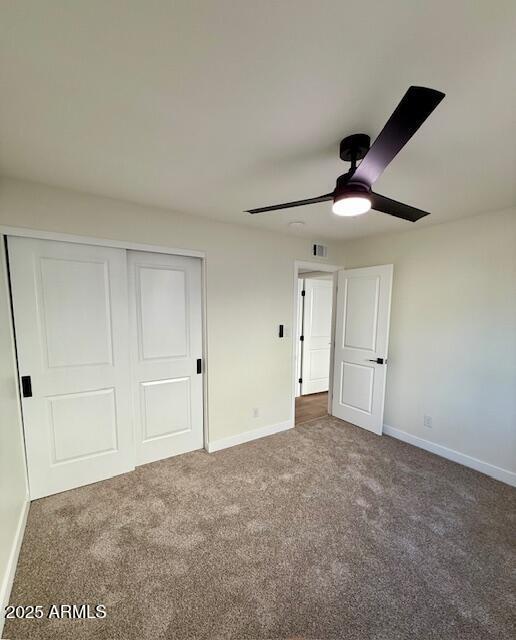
(250, 280)
(452, 351)
(13, 487)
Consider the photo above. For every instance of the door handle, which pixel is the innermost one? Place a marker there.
(26, 386)
(199, 365)
(379, 360)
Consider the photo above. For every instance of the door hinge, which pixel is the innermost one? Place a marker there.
(302, 338)
(300, 380)
(199, 365)
(303, 293)
(26, 386)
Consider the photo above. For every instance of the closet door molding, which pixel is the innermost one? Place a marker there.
(22, 232)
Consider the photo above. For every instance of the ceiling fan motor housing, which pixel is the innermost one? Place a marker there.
(354, 147)
(345, 186)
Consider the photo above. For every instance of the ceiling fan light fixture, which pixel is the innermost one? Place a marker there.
(351, 205)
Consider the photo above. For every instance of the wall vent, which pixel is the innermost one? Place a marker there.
(319, 250)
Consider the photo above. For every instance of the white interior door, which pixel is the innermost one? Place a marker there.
(361, 345)
(299, 344)
(70, 311)
(166, 338)
(317, 335)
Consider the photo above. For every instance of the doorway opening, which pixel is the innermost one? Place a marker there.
(315, 295)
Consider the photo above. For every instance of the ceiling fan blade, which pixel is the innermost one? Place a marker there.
(415, 107)
(396, 209)
(297, 203)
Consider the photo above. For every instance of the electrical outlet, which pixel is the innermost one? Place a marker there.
(427, 421)
(256, 412)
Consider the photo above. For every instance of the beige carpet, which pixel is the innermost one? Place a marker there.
(325, 531)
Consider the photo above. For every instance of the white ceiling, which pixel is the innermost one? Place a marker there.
(214, 106)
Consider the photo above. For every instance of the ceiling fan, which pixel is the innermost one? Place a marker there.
(352, 195)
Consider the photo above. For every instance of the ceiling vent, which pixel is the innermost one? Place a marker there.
(319, 250)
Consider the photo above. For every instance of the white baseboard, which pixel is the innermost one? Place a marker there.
(504, 475)
(247, 436)
(8, 578)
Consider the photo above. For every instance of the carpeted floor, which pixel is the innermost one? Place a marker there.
(324, 531)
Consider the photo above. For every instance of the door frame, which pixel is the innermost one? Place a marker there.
(312, 266)
(23, 232)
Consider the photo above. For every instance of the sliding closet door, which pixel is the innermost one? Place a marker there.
(70, 310)
(166, 339)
